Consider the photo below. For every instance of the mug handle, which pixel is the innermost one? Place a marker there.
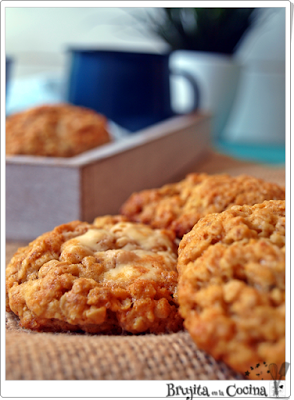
(193, 83)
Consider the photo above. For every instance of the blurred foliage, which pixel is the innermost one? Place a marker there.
(217, 30)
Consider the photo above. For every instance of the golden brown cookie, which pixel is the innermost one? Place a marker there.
(55, 131)
(232, 286)
(179, 206)
(111, 277)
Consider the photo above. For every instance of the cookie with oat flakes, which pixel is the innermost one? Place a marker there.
(59, 130)
(232, 285)
(111, 276)
(178, 206)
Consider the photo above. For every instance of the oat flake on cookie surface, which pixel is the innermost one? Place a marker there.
(111, 276)
(232, 286)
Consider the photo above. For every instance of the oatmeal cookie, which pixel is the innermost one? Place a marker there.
(179, 206)
(232, 286)
(111, 276)
(55, 131)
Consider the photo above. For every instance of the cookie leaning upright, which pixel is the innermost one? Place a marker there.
(55, 131)
(178, 206)
(110, 276)
(232, 285)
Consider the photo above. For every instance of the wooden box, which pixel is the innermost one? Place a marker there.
(43, 192)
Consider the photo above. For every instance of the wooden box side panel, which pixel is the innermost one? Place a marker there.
(108, 183)
(38, 198)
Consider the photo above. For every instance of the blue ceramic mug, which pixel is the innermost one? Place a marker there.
(130, 88)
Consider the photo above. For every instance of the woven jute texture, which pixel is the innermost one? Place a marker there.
(75, 356)
(47, 356)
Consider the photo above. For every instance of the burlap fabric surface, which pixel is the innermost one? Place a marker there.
(68, 356)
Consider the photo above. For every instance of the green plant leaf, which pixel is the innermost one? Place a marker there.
(216, 30)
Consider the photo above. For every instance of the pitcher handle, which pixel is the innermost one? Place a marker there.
(194, 84)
